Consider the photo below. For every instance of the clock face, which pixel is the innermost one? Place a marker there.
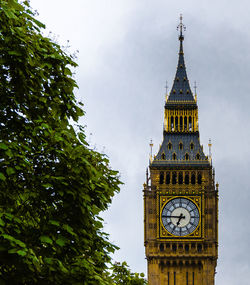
(180, 216)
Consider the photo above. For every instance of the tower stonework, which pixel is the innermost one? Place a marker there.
(180, 195)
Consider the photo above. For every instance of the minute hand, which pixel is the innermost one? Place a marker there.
(181, 217)
(178, 217)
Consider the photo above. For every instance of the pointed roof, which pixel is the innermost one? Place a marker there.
(181, 90)
(180, 145)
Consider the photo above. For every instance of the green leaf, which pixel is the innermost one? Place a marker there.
(2, 223)
(10, 171)
(46, 239)
(15, 5)
(11, 238)
(2, 177)
(53, 222)
(47, 185)
(61, 241)
(68, 229)
(14, 52)
(13, 250)
(21, 252)
(39, 24)
(67, 71)
(3, 146)
(48, 260)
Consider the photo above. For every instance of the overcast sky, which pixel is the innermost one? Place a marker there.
(127, 51)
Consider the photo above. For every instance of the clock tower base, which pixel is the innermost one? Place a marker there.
(181, 272)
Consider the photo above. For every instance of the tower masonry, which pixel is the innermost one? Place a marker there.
(180, 195)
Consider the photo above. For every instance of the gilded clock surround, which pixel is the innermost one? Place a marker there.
(181, 169)
(163, 234)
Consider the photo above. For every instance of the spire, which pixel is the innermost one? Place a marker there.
(182, 28)
(181, 90)
(181, 144)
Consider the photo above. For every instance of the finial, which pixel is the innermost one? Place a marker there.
(166, 95)
(146, 177)
(217, 186)
(195, 93)
(182, 28)
(210, 149)
(151, 148)
(166, 87)
(195, 87)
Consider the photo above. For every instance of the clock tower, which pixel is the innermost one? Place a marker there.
(180, 196)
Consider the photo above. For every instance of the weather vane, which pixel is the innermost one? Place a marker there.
(181, 27)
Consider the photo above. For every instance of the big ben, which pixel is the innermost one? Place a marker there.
(180, 195)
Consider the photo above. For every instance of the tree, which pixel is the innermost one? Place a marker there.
(52, 185)
(121, 274)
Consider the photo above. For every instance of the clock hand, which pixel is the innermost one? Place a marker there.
(180, 217)
(171, 217)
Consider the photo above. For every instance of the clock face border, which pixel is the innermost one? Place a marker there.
(197, 234)
(172, 204)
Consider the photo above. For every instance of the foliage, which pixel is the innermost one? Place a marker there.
(52, 185)
(121, 274)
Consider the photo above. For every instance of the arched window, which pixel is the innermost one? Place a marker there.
(185, 123)
(199, 178)
(186, 178)
(172, 123)
(174, 156)
(174, 178)
(190, 123)
(186, 247)
(193, 178)
(176, 123)
(186, 156)
(181, 123)
(161, 247)
(192, 146)
(174, 247)
(181, 146)
(168, 178)
(198, 157)
(180, 178)
(169, 145)
(163, 156)
(161, 178)
(199, 248)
